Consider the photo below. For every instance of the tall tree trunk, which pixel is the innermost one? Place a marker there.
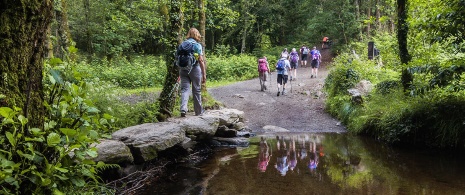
(202, 21)
(87, 20)
(369, 18)
(378, 15)
(244, 29)
(23, 35)
(357, 15)
(402, 33)
(167, 97)
(62, 30)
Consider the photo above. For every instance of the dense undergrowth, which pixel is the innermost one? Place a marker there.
(87, 101)
(429, 113)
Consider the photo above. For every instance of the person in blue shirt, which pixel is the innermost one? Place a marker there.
(283, 74)
(196, 76)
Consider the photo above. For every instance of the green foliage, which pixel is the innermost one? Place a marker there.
(57, 158)
(232, 68)
(136, 72)
(415, 116)
(113, 27)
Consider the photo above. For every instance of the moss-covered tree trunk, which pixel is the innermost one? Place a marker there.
(23, 34)
(402, 33)
(202, 22)
(167, 97)
(61, 30)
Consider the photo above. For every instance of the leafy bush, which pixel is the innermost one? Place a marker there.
(57, 158)
(232, 68)
(140, 71)
(428, 113)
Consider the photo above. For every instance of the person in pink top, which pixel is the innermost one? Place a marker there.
(263, 156)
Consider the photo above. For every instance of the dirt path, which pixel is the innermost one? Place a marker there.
(301, 110)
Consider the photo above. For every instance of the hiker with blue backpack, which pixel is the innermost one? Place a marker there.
(294, 59)
(191, 63)
(304, 55)
(263, 71)
(316, 60)
(282, 68)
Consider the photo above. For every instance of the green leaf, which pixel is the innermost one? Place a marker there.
(22, 119)
(57, 76)
(6, 112)
(91, 153)
(63, 170)
(50, 125)
(68, 132)
(10, 138)
(57, 192)
(93, 134)
(36, 131)
(88, 162)
(93, 110)
(107, 116)
(61, 177)
(36, 139)
(78, 182)
(53, 139)
(28, 156)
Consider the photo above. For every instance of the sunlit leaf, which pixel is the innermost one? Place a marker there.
(6, 112)
(68, 132)
(63, 170)
(58, 192)
(10, 138)
(53, 139)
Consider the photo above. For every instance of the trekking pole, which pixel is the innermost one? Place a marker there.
(291, 85)
(270, 80)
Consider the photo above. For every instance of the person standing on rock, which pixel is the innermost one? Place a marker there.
(263, 71)
(282, 67)
(316, 60)
(196, 75)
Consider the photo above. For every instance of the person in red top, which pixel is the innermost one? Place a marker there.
(325, 41)
(263, 71)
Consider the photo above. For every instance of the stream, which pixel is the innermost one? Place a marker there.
(326, 163)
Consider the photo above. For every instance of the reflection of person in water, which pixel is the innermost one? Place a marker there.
(281, 160)
(314, 158)
(292, 155)
(302, 150)
(263, 156)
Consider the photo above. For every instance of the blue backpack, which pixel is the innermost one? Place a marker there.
(280, 65)
(185, 55)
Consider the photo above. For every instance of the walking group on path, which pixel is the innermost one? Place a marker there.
(286, 67)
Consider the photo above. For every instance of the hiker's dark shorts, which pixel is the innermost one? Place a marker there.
(294, 65)
(315, 64)
(282, 79)
(304, 57)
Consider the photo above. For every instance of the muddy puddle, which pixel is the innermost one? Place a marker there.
(308, 163)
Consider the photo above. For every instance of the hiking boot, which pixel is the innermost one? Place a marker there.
(201, 114)
(284, 92)
(183, 113)
(311, 76)
(277, 94)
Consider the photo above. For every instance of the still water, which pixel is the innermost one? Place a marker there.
(319, 164)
